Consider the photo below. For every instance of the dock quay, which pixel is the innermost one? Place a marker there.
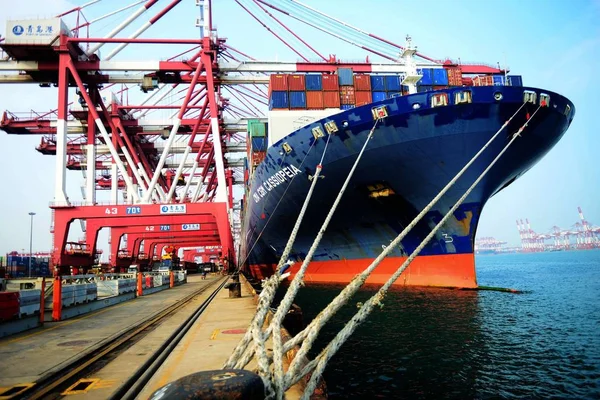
(107, 353)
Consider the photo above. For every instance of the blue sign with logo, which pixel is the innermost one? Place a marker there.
(18, 30)
(190, 227)
(173, 209)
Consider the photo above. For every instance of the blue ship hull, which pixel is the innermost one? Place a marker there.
(414, 152)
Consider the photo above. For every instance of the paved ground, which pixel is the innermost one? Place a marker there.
(27, 356)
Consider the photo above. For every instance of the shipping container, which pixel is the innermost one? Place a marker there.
(483, 80)
(347, 95)
(427, 78)
(256, 128)
(313, 82)
(467, 81)
(258, 157)
(259, 144)
(297, 99)
(515, 80)
(296, 82)
(392, 83)
(331, 99)
(377, 83)
(498, 80)
(454, 76)
(363, 98)
(362, 82)
(379, 96)
(442, 87)
(330, 82)
(278, 83)
(345, 76)
(440, 77)
(279, 100)
(346, 106)
(314, 100)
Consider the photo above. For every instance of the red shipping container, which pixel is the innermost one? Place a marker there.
(258, 157)
(296, 82)
(149, 281)
(362, 82)
(363, 98)
(9, 305)
(314, 100)
(483, 81)
(330, 82)
(331, 99)
(278, 82)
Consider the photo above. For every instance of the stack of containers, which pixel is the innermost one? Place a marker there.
(297, 88)
(454, 76)
(257, 141)
(331, 91)
(314, 92)
(392, 86)
(347, 92)
(426, 82)
(362, 86)
(378, 88)
(440, 78)
(278, 92)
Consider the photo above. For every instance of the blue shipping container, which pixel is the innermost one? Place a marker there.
(259, 144)
(515, 80)
(427, 78)
(440, 77)
(377, 84)
(392, 83)
(498, 80)
(314, 82)
(345, 77)
(346, 106)
(279, 100)
(297, 99)
(379, 96)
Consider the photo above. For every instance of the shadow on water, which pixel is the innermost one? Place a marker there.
(419, 337)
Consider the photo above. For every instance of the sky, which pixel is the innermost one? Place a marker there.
(554, 45)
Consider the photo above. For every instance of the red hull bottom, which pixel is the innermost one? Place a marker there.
(455, 270)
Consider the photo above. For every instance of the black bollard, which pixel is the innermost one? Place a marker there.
(226, 384)
(235, 289)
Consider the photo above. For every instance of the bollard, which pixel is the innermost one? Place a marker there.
(140, 287)
(57, 299)
(235, 289)
(42, 301)
(226, 384)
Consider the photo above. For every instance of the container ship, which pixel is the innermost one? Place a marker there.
(436, 120)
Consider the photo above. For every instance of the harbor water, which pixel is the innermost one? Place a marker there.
(442, 343)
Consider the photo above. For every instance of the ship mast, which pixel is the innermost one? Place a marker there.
(412, 76)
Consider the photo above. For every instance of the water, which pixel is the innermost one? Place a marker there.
(439, 343)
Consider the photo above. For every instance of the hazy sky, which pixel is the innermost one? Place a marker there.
(553, 44)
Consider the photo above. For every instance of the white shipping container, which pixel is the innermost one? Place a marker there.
(35, 31)
(284, 122)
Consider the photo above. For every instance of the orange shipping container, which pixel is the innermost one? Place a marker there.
(314, 100)
(278, 83)
(330, 82)
(363, 98)
(347, 95)
(362, 82)
(296, 82)
(331, 99)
